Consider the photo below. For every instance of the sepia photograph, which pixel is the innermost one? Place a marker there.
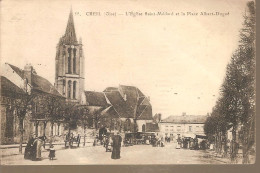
(133, 82)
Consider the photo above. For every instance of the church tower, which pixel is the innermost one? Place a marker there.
(69, 74)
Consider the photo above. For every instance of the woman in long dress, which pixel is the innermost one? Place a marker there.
(28, 148)
(37, 148)
(117, 139)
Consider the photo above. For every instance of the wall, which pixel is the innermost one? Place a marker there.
(140, 123)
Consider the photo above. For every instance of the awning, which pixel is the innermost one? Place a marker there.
(189, 135)
(202, 136)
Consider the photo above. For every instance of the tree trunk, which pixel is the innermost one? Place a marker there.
(233, 149)
(215, 141)
(36, 128)
(21, 135)
(84, 136)
(44, 129)
(69, 138)
(51, 133)
(246, 147)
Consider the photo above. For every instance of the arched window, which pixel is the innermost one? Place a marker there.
(143, 128)
(69, 89)
(69, 60)
(64, 86)
(74, 60)
(74, 89)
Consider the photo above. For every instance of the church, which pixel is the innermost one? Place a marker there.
(127, 103)
(123, 106)
(69, 64)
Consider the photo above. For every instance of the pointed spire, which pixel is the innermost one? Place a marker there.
(70, 34)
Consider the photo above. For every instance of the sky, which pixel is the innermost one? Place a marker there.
(178, 61)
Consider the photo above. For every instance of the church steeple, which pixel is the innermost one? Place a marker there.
(69, 78)
(70, 34)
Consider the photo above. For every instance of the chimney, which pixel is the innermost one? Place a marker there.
(28, 71)
(183, 113)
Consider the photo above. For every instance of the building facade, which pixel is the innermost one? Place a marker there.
(182, 126)
(16, 84)
(69, 74)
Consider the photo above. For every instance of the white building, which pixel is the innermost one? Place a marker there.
(183, 126)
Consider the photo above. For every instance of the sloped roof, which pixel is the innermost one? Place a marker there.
(141, 99)
(9, 89)
(145, 101)
(17, 70)
(38, 83)
(140, 93)
(44, 85)
(95, 99)
(152, 127)
(119, 104)
(128, 102)
(145, 112)
(109, 89)
(186, 119)
(110, 111)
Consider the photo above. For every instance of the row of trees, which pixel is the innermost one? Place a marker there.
(51, 109)
(54, 109)
(235, 108)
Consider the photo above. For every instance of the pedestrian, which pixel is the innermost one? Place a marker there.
(37, 149)
(109, 144)
(78, 140)
(52, 152)
(117, 139)
(71, 140)
(28, 149)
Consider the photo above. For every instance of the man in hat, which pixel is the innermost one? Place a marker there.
(117, 139)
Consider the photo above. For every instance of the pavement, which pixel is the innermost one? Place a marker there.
(11, 150)
(137, 154)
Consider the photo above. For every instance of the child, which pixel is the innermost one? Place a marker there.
(52, 152)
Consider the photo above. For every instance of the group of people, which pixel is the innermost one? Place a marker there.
(110, 142)
(191, 143)
(34, 148)
(167, 139)
(157, 142)
(70, 139)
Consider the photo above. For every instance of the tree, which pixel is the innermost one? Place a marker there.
(22, 107)
(85, 120)
(236, 107)
(247, 69)
(53, 111)
(70, 114)
(98, 118)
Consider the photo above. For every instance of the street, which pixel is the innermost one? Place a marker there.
(137, 154)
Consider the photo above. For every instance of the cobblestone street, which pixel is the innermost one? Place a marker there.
(138, 154)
